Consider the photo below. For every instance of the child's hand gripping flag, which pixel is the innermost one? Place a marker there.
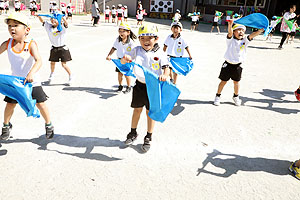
(181, 66)
(14, 88)
(125, 69)
(255, 20)
(56, 16)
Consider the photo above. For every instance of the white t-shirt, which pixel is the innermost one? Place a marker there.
(107, 11)
(113, 11)
(228, 17)
(125, 13)
(236, 50)
(294, 28)
(22, 62)
(18, 5)
(216, 19)
(153, 60)
(2, 4)
(176, 46)
(56, 38)
(195, 18)
(123, 49)
(140, 15)
(120, 11)
(63, 9)
(284, 27)
(177, 16)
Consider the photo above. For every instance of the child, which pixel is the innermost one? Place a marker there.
(107, 13)
(125, 13)
(54, 7)
(69, 11)
(120, 14)
(175, 45)
(140, 16)
(33, 8)
(177, 16)
(151, 57)
(25, 62)
(235, 54)
(95, 12)
(63, 9)
(123, 44)
(215, 23)
(59, 51)
(6, 5)
(195, 18)
(113, 14)
(295, 169)
(273, 25)
(293, 33)
(17, 6)
(2, 5)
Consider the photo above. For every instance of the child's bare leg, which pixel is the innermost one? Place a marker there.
(150, 123)
(218, 29)
(136, 117)
(8, 112)
(120, 78)
(44, 112)
(174, 77)
(297, 163)
(236, 87)
(52, 65)
(64, 65)
(128, 80)
(212, 28)
(221, 86)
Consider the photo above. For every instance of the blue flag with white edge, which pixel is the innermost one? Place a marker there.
(181, 66)
(255, 20)
(14, 88)
(57, 16)
(162, 95)
(126, 69)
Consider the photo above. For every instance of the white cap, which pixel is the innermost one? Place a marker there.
(176, 24)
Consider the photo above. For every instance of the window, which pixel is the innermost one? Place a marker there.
(260, 2)
(241, 2)
(250, 2)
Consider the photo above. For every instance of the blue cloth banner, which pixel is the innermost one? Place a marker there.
(13, 87)
(181, 66)
(162, 95)
(125, 69)
(57, 16)
(255, 20)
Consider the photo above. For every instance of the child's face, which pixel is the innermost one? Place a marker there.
(17, 30)
(176, 29)
(148, 42)
(124, 33)
(239, 33)
(54, 22)
(293, 9)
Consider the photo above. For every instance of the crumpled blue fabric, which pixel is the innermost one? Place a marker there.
(255, 20)
(57, 16)
(162, 95)
(126, 69)
(181, 66)
(13, 87)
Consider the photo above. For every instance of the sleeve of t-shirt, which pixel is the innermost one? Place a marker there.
(164, 62)
(96, 5)
(246, 40)
(47, 26)
(132, 53)
(228, 40)
(115, 46)
(184, 44)
(167, 41)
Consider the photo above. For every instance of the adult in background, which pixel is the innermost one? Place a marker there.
(95, 12)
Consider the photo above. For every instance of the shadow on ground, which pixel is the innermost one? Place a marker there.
(89, 143)
(178, 108)
(103, 93)
(237, 163)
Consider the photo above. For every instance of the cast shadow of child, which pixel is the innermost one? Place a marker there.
(89, 143)
(236, 163)
(103, 93)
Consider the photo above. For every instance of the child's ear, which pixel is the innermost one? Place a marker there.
(156, 39)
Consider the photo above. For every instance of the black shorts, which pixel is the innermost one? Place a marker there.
(1, 8)
(63, 12)
(69, 14)
(231, 71)
(125, 17)
(107, 15)
(34, 9)
(120, 15)
(215, 24)
(194, 23)
(113, 16)
(37, 93)
(60, 54)
(140, 96)
(292, 34)
(7, 8)
(117, 69)
(17, 9)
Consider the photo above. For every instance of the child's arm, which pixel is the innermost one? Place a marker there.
(254, 34)
(38, 62)
(110, 53)
(165, 48)
(165, 75)
(41, 19)
(188, 51)
(65, 22)
(230, 31)
(3, 47)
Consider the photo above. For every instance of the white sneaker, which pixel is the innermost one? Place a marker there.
(237, 101)
(71, 79)
(217, 101)
(50, 77)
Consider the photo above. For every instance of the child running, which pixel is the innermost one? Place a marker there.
(195, 19)
(177, 16)
(113, 14)
(59, 51)
(25, 62)
(150, 56)
(107, 14)
(215, 23)
(293, 33)
(140, 16)
(125, 13)
(175, 45)
(295, 169)
(235, 55)
(120, 12)
(124, 45)
(69, 11)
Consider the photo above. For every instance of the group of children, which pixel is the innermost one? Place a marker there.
(120, 13)
(25, 61)
(4, 6)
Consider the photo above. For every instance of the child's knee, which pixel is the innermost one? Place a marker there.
(10, 105)
(41, 106)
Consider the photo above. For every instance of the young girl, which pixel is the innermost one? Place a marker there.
(123, 44)
(113, 14)
(120, 13)
(215, 23)
(125, 13)
(140, 16)
(195, 18)
(107, 14)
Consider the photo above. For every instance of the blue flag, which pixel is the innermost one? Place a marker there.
(125, 69)
(181, 66)
(255, 20)
(13, 87)
(162, 95)
(56, 16)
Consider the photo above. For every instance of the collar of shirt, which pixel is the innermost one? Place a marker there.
(172, 36)
(127, 41)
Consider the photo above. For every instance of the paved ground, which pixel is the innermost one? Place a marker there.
(199, 152)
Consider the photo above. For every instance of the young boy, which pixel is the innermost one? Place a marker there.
(177, 16)
(25, 62)
(175, 45)
(150, 56)
(295, 169)
(195, 19)
(217, 17)
(59, 51)
(235, 54)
